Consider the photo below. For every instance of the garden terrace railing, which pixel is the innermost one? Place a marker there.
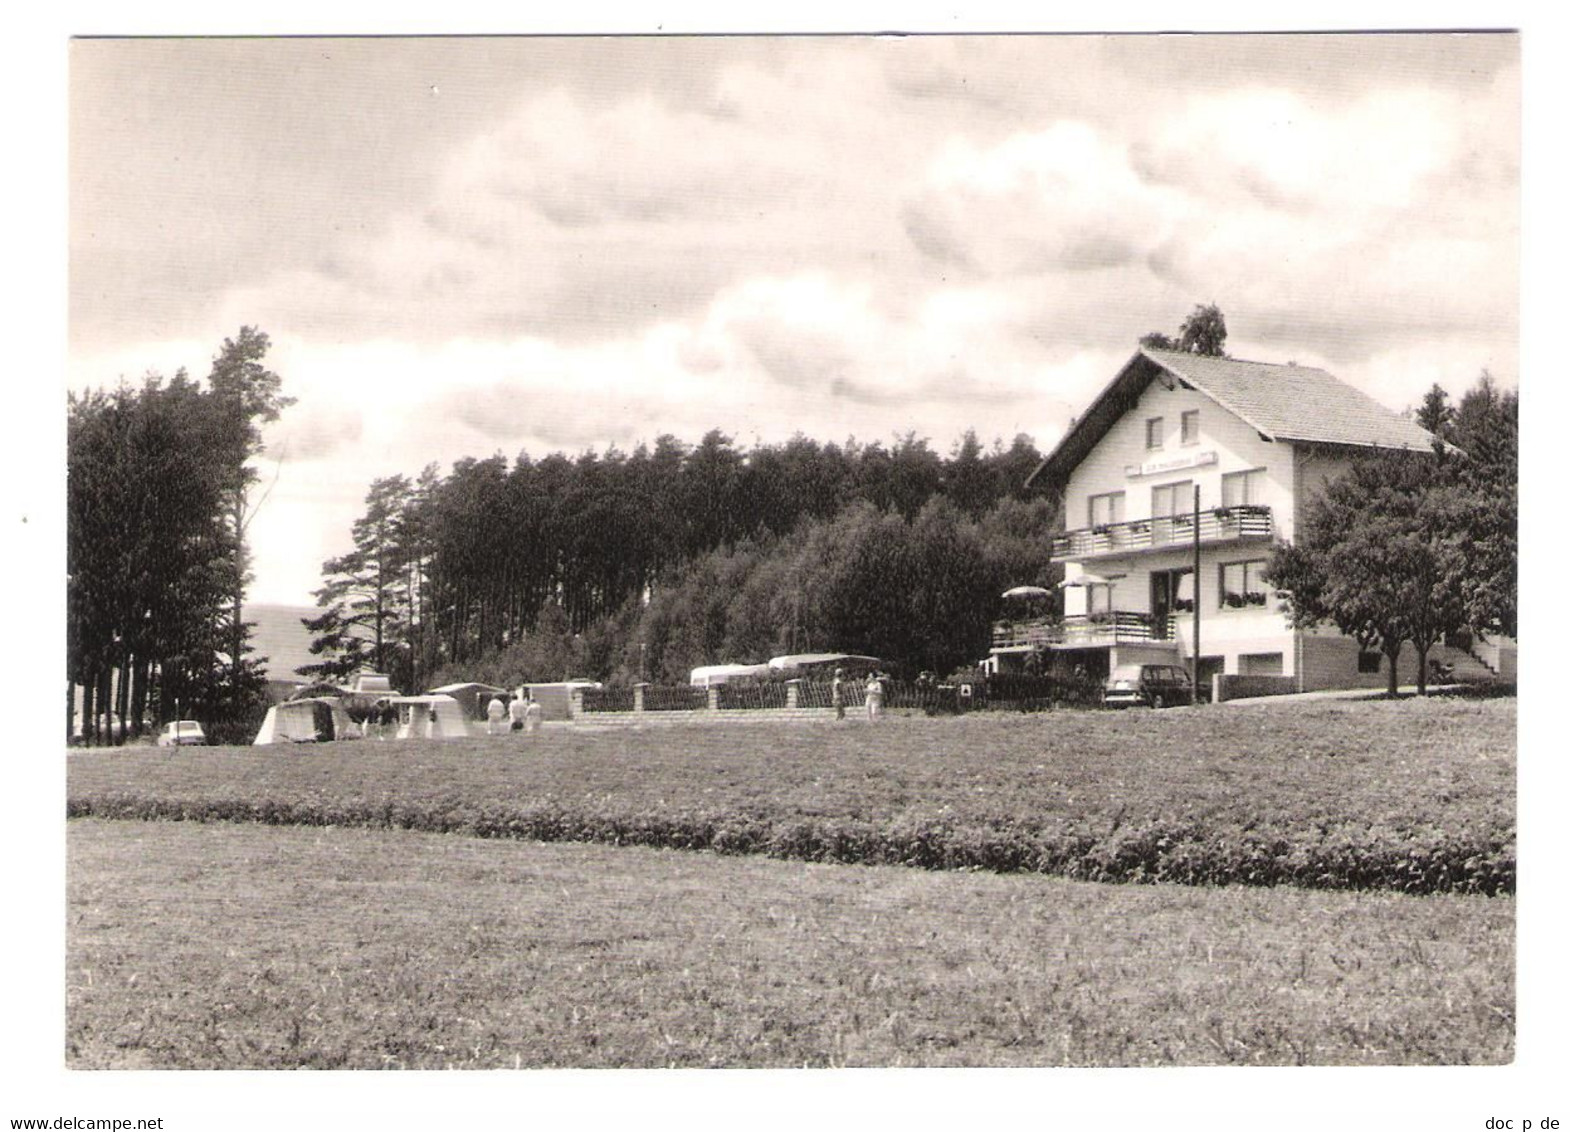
(1079, 631)
(1220, 524)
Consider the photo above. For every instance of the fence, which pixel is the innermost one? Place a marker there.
(757, 696)
(610, 698)
(815, 697)
(673, 697)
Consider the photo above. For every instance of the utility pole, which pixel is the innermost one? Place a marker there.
(1194, 689)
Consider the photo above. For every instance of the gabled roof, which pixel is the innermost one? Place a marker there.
(1290, 403)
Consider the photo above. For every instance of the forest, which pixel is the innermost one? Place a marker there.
(160, 487)
(626, 566)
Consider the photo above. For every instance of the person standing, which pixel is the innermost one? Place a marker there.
(495, 712)
(874, 695)
(533, 714)
(516, 710)
(837, 693)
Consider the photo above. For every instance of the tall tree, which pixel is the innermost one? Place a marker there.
(1436, 413)
(366, 596)
(1381, 555)
(1486, 428)
(248, 395)
(154, 548)
(1204, 331)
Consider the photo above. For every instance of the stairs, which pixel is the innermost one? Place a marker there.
(1466, 668)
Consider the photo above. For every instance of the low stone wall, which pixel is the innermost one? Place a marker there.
(1245, 687)
(639, 719)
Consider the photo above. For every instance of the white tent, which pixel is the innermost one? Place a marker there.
(318, 720)
(429, 717)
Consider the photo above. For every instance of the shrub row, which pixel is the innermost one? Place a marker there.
(1348, 856)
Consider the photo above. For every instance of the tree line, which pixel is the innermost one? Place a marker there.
(620, 565)
(159, 490)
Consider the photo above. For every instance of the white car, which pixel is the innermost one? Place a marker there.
(182, 733)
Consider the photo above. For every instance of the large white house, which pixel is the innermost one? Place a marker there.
(1256, 441)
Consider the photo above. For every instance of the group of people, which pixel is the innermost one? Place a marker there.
(381, 722)
(873, 693)
(519, 713)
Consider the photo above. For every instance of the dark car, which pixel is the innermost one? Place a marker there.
(1154, 684)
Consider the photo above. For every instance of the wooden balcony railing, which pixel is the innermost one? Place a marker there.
(1221, 524)
(1083, 631)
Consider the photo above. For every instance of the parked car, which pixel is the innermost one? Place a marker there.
(1156, 685)
(182, 733)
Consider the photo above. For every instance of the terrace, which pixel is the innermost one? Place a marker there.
(1218, 525)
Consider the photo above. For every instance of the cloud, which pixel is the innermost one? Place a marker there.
(1065, 198)
(860, 237)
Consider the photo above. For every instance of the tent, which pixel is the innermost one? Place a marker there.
(318, 720)
(472, 697)
(429, 717)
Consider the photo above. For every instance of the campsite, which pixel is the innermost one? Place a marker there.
(1304, 893)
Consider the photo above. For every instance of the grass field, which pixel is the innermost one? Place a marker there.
(1411, 796)
(246, 946)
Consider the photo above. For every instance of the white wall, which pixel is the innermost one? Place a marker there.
(1237, 446)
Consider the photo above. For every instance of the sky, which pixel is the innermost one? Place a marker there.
(463, 247)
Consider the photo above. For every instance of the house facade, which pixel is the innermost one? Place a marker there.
(1251, 443)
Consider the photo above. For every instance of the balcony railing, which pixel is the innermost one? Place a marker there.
(1221, 524)
(1082, 631)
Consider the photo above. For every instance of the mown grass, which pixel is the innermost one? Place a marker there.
(1414, 796)
(240, 946)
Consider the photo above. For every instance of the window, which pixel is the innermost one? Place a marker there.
(1259, 664)
(1155, 427)
(1243, 585)
(1368, 663)
(1105, 509)
(1098, 597)
(1172, 500)
(1241, 489)
(1191, 426)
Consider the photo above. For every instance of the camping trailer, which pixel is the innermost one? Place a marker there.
(708, 675)
(315, 720)
(472, 697)
(821, 665)
(555, 699)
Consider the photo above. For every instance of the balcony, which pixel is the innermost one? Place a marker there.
(1077, 632)
(1218, 525)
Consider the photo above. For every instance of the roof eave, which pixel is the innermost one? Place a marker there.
(1047, 472)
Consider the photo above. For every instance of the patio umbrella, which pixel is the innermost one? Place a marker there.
(1090, 580)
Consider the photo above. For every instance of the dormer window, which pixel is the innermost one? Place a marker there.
(1154, 428)
(1191, 426)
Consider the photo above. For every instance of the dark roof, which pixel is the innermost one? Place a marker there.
(281, 638)
(1292, 403)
